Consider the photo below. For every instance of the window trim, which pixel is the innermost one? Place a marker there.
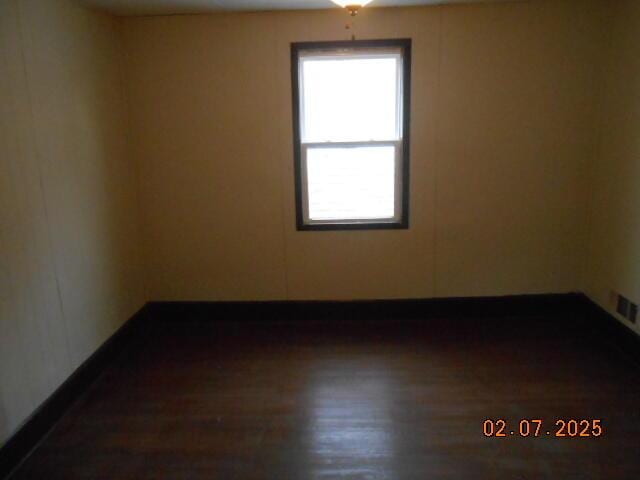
(401, 221)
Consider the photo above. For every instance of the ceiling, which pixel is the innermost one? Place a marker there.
(166, 7)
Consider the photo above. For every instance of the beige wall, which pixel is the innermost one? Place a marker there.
(503, 125)
(69, 275)
(615, 241)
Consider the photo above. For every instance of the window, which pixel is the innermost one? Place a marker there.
(351, 134)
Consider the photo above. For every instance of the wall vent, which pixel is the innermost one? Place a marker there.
(626, 308)
(633, 313)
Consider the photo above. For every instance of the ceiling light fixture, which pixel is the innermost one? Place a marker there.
(353, 6)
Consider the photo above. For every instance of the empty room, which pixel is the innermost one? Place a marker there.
(320, 239)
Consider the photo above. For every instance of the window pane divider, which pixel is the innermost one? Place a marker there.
(353, 144)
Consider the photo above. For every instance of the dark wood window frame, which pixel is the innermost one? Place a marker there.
(405, 47)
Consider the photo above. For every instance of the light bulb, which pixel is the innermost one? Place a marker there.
(346, 3)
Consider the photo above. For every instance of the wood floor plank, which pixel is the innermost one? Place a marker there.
(351, 400)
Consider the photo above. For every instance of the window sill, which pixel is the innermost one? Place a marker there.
(315, 227)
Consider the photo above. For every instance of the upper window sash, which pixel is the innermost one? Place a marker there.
(344, 118)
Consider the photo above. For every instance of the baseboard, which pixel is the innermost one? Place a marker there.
(575, 308)
(505, 306)
(35, 428)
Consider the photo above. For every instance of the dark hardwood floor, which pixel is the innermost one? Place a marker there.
(394, 399)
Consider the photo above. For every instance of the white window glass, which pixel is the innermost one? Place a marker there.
(355, 183)
(350, 99)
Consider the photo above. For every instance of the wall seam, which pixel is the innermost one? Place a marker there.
(38, 154)
(123, 67)
(597, 152)
(436, 155)
(283, 175)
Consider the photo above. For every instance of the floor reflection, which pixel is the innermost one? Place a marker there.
(350, 426)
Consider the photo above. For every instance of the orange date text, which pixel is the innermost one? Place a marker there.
(535, 427)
